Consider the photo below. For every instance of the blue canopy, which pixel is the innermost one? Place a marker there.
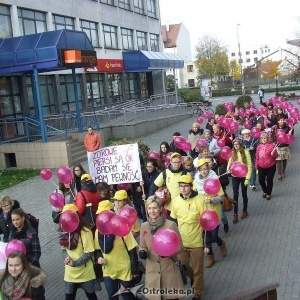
(41, 51)
(135, 61)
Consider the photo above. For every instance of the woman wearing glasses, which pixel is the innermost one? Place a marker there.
(78, 171)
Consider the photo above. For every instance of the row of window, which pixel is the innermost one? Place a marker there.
(32, 22)
(262, 51)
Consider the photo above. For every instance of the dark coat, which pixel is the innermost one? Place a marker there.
(149, 179)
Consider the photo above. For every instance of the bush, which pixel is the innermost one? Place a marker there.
(189, 95)
(220, 110)
(242, 99)
(143, 147)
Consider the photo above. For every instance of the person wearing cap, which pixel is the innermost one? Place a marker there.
(92, 140)
(79, 270)
(186, 210)
(121, 200)
(212, 202)
(240, 154)
(250, 143)
(87, 195)
(118, 256)
(162, 273)
(169, 178)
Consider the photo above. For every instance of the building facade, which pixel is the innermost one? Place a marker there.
(113, 27)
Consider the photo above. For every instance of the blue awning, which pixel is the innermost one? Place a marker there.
(41, 51)
(136, 61)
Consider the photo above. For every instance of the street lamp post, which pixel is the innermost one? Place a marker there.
(240, 60)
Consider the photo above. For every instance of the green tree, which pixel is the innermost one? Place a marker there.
(170, 83)
(234, 70)
(211, 57)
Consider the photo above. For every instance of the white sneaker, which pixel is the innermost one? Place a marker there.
(253, 187)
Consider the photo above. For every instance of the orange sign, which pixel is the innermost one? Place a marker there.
(82, 57)
(107, 65)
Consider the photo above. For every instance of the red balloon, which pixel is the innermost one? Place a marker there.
(201, 143)
(124, 186)
(120, 225)
(57, 200)
(209, 220)
(69, 221)
(102, 222)
(154, 155)
(211, 186)
(130, 213)
(165, 242)
(221, 143)
(15, 245)
(239, 170)
(226, 152)
(64, 174)
(199, 120)
(46, 174)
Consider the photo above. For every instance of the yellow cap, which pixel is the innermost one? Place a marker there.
(71, 206)
(87, 177)
(120, 195)
(103, 205)
(185, 179)
(201, 162)
(175, 154)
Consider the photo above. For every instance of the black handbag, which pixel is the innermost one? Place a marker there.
(88, 214)
(182, 269)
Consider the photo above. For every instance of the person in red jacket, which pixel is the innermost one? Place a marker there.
(265, 163)
(88, 194)
(92, 140)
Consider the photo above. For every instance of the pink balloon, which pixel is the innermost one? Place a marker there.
(207, 114)
(15, 245)
(255, 132)
(124, 186)
(188, 146)
(298, 102)
(201, 143)
(240, 170)
(130, 213)
(165, 242)
(226, 152)
(181, 145)
(211, 186)
(69, 221)
(168, 156)
(154, 155)
(179, 141)
(281, 138)
(64, 174)
(120, 225)
(199, 120)
(57, 200)
(248, 124)
(289, 138)
(233, 164)
(102, 222)
(221, 143)
(46, 174)
(209, 220)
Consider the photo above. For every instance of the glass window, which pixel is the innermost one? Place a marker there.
(131, 80)
(31, 22)
(151, 6)
(154, 42)
(139, 6)
(254, 51)
(61, 22)
(109, 2)
(110, 36)
(5, 23)
(190, 68)
(141, 40)
(127, 39)
(232, 54)
(144, 86)
(95, 89)
(91, 30)
(191, 82)
(114, 87)
(67, 92)
(247, 52)
(124, 4)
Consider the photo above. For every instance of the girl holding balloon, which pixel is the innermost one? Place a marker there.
(21, 280)
(161, 269)
(240, 155)
(23, 231)
(79, 270)
(115, 250)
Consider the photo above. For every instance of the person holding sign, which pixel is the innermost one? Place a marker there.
(92, 140)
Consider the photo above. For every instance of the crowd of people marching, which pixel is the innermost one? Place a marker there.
(246, 147)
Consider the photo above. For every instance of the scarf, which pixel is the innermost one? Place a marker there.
(208, 140)
(155, 225)
(13, 289)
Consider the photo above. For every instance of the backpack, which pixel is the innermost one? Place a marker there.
(34, 222)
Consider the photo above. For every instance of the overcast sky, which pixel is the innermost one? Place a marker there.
(261, 22)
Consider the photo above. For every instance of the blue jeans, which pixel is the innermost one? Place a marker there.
(236, 182)
(112, 286)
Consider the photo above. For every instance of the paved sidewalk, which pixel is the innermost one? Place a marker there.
(263, 248)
